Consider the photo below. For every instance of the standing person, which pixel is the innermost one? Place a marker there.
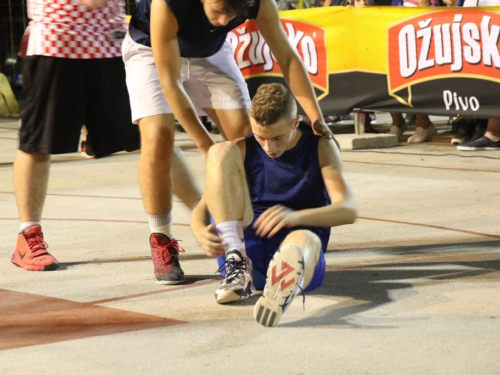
(273, 197)
(179, 65)
(73, 75)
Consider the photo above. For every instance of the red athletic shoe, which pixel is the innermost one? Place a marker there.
(31, 251)
(165, 254)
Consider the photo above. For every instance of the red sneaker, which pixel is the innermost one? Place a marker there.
(31, 251)
(165, 254)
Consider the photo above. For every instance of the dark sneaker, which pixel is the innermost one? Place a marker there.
(284, 275)
(31, 251)
(238, 280)
(165, 253)
(464, 134)
(87, 150)
(482, 143)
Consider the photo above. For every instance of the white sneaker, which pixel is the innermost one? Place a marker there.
(398, 131)
(238, 281)
(423, 135)
(284, 275)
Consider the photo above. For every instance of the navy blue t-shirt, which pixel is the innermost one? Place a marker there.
(293, 180)
(197, 36)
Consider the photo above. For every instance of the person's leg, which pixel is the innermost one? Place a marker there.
(310, 246)
(290, 271)
(155, 180)
(232, 123)
(31, 175)
(228, 200)
(493, 128)
(424, 131)
(489, 142)
(183, 184)
(398, 126)
(51, 124)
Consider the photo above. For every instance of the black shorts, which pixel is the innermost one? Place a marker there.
(60, 95)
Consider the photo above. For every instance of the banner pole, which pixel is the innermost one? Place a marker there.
(359, 121)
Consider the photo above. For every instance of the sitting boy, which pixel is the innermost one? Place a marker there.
(273, 197)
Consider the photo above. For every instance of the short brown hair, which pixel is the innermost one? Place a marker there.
(272, 103)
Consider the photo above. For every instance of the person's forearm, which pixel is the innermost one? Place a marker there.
(328, 216)
(295, 75)
(185, 113)
(199, 218)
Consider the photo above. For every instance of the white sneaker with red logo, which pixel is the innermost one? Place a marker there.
(284, 276)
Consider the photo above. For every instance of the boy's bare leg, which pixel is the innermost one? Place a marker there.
(310, 246)
(226, 189)
(228, 201)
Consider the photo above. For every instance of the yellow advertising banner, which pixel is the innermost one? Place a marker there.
(442, 61)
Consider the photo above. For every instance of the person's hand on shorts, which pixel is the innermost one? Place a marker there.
(210, 242)
(274, 219)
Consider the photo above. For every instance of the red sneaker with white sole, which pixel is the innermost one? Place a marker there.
(31, 251)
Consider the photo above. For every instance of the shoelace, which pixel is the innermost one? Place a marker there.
(163, 252)
(303, 298)
(37, 244)
(233, 268)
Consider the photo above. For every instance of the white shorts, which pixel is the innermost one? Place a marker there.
(212, 82)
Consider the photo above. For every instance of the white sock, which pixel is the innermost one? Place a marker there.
(231, 233)
(494, 138)
(27, 224)
(161, 224)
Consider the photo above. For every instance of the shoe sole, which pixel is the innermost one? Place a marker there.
(463, 148)
(170, 282)
(280, 285)
(30, 267)
(231, 296)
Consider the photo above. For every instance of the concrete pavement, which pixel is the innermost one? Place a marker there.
(411, 288)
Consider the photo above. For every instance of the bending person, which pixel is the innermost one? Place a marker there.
(180, 65)
(273, 197)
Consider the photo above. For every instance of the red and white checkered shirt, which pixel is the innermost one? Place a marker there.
(64, 28)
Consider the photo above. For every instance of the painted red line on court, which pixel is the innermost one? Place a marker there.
(29, 319)
(167, 290)
(420, 166)
(431, 226)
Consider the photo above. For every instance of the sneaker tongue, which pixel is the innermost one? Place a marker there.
(235, 254)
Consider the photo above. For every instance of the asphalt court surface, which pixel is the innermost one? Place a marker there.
(412, 287)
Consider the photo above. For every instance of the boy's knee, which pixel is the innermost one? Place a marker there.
(303, 238)
(221, 152)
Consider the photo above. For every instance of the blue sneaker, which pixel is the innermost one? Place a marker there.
(482, 143)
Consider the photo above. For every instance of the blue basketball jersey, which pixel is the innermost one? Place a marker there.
(197, 37)
(293, 180)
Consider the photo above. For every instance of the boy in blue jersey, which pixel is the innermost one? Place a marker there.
(180, 65)
(273, 197)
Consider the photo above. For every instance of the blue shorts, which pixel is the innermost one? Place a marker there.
(261, 251)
